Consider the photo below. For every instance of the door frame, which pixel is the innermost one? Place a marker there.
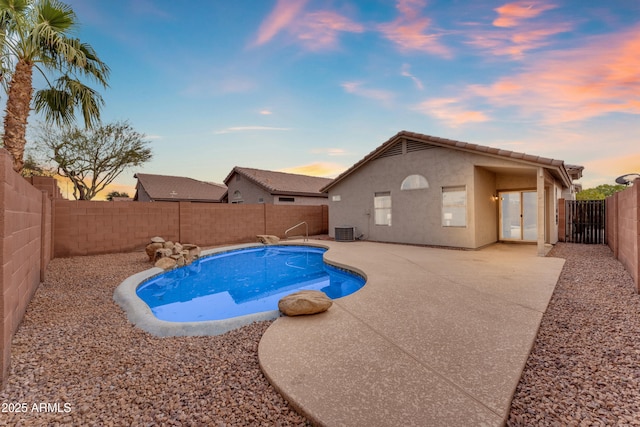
(522, 216)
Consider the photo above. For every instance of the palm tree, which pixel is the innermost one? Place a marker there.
(36, 34)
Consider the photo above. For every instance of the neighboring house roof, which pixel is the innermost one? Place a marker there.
(282, 183)
(557, 166)
(171, 188)
(575, 171)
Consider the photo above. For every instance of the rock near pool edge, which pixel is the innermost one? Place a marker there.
(304, 302)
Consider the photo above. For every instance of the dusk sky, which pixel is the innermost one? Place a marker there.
(311, 86)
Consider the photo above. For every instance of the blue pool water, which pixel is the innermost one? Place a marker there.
(243, 282)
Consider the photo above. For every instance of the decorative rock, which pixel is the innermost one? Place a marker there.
(166, 263)
(268, 239)
(181, 254)
(162, 253)
(304, 302)
(151, 250)
(194, 251)
(157, 239)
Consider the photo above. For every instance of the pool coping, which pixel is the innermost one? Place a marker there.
(141, 316)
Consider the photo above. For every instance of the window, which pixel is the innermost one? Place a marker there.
(454, 206)
(335, 198)
(237, 197)
(382, 208)
(414, 182)
(286, 199)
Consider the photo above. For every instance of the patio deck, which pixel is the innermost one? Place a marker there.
(435, 337)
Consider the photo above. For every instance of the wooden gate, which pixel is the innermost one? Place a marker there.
(585, 221)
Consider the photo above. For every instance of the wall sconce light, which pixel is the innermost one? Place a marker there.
(494, 197)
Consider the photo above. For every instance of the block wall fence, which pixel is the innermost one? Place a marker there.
(87, 228)
(36, 225)
(25, 236)
(622, 232)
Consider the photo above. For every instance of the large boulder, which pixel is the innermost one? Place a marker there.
(304, 302)
(157, 239)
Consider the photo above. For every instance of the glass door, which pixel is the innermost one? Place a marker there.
(518, 215)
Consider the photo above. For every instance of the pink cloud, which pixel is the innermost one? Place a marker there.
(450, 111)
(598, 78)
(410, 30)
(516, 33)
(512, 14)
(315, 30)
(319, 30)
(280, 17)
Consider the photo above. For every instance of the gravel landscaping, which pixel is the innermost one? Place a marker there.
(584, 369)
(77, 361)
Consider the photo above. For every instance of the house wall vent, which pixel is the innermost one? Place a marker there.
(345, 234)
(394, 150)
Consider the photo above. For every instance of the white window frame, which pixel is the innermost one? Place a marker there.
(454, 206)
(382, 208)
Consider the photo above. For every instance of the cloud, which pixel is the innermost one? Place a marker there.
(322, 169)
(409, 31)
(280, 17)
(356, 88)
(317, 30)
(512, 14)
(406, 72)
(330, 151)
(265, 112)
(250, 129)
(450, 111)
(515, 30)
(598, 78)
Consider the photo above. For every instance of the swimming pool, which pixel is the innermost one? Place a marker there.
(242, 282)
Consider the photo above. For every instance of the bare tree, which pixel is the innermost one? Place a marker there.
(92, 158)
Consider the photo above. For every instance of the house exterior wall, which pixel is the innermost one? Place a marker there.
(300, 200)
(417, 214)
(485, 207)
(253, 194)
(143, 196)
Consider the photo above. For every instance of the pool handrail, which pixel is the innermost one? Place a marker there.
(305, 237)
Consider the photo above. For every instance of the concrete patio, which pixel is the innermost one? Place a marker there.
(435, 337)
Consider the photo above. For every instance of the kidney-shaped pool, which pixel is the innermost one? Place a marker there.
(242, 282)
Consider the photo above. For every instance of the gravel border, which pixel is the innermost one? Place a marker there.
(584, 368)
(76, 347)
(76, 360)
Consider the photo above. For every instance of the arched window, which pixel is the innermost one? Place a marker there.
(414, 182)
(237, 197)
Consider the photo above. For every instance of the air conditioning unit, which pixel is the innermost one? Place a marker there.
(345, 234)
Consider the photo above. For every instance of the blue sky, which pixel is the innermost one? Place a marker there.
(311, 86)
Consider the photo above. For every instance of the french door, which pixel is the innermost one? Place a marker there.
(518, 215)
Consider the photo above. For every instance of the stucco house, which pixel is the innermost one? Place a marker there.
(247, 185)
(421, 189)
(166, 188)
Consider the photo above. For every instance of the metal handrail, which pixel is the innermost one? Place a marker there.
(306, 236)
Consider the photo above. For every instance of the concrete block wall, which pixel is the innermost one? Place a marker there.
(280, 217)
(25, 233)
(623, 229)
(85, 227)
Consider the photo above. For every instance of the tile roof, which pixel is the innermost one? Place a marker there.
(165, 187)
(458, 145)
(283, 183)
